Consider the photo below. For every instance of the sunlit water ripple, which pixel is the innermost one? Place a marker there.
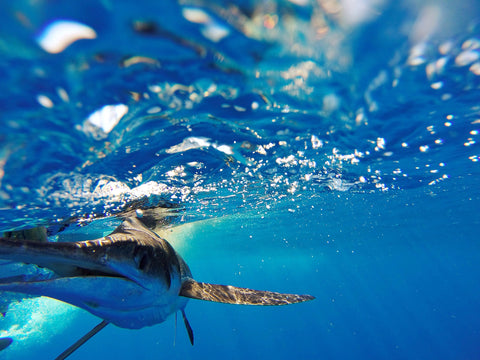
(200, 106)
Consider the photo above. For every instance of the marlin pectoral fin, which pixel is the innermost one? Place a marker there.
(82, 340)
(189, 328)
(234, 295)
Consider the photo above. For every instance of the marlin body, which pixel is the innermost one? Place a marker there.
(131, 278)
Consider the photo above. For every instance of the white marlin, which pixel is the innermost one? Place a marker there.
(131, 278)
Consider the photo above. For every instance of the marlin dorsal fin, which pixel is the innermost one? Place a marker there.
(234, 295)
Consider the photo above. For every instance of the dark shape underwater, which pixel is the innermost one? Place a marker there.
(5, 342)
(142, 278)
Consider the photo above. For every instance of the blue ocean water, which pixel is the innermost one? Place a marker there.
(324, 147)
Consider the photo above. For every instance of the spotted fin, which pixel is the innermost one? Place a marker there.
(234, 295)
(37, 234)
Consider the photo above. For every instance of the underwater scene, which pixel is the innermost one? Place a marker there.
(324, 152)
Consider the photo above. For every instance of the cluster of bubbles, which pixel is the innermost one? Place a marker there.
(262, 102)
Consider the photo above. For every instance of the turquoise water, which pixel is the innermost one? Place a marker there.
(328, 148)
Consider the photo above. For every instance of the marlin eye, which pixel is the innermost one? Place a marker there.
(141, 258)
(143, 262)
